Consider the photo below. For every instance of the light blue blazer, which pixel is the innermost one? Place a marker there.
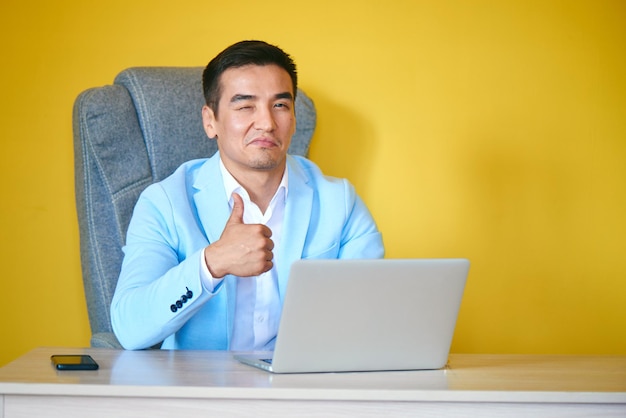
(176, 218)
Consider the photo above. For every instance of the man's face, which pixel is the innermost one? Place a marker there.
(256, 118)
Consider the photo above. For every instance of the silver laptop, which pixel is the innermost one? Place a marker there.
(366, 315)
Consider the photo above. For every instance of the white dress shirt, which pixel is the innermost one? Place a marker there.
(257, 310)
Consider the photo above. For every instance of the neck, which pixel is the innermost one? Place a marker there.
(261, 185)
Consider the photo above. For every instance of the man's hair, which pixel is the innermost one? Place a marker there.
(238, 55)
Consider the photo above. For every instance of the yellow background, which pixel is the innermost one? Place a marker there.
(492, 130)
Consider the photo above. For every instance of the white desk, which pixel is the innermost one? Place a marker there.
(210, 383)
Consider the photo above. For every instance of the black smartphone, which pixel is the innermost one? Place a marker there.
(73, 362)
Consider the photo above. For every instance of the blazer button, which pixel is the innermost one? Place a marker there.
(179, 304)
(173, 308)
(189, 293)
(183, 298)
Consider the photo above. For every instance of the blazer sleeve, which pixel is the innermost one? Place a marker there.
(160, 284)
(360, 237)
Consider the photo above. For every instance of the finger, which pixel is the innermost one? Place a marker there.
(236, 216)
(266, 231)
(268, 266)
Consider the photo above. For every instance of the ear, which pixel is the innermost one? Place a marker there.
(208, 122)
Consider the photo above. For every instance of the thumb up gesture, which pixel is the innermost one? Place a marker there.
(243, 250)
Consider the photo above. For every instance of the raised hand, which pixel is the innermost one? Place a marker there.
(243, 250)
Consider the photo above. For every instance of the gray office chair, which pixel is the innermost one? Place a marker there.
(127, 136)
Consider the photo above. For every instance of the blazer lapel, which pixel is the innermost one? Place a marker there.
(210, 199)
(296, 223)
(212, 211)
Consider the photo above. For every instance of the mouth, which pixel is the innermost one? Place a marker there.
(264, 142)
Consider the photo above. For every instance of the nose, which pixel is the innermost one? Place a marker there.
(265, 119)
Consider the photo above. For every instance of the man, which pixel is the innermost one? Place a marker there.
(208, 249)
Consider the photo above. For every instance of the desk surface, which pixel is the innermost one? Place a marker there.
(215, 374)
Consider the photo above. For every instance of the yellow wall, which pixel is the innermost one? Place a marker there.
(493, 130)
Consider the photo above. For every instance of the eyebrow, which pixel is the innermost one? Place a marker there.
(285, 95)
(243, 97)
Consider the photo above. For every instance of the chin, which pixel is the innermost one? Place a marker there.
(267, 162)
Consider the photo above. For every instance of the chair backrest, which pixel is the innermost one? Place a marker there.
(129, 135)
